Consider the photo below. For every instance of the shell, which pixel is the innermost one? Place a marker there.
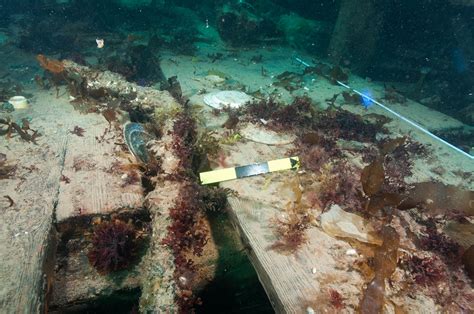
(136, 139)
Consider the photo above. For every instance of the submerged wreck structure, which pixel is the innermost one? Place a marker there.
(197, 169)
(129, 207)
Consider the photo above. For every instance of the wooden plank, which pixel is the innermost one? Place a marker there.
(292, 281)
(26, 226)
(95, 180)
(299, 280)
(159, 289)
(76, 282)
(65, 175)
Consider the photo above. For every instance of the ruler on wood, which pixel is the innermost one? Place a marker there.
(220, 175)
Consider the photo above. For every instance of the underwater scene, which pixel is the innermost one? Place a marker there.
(237, 156)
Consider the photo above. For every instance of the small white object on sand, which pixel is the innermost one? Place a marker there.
(233, 99)
(100, 43)
(19, 102)
(351, 252)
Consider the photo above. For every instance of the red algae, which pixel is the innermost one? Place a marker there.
(184, 137)
(425, 271)
(187, 236)
(336, 300)
(291, 227)
(114, 247)
(440, 243)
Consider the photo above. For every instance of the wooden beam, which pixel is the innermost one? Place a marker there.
(292, 281)
(158, 286)
(355, 34)
(26, 226)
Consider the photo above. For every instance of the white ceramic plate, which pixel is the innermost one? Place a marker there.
(233, 99)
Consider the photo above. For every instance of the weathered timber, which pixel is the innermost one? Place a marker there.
(356, 33)
(25, 232)
(159, 287)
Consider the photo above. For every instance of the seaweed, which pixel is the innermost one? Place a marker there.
(385, 263)
(332, 74)
(215, 198)
(337, 74)
(339, 184)
(332, 101)
(80, 163)
(460, 137)
(425, 271)
(52, 65)
(299, 114)
(231, 121)
(102, 138)
(114, 247)
(184, 138)
(56, 71)
(22, 131)
(307, 139)
(84, 106)
(343, 124)
(11, 202)
(352, 98)
(437, 198)
(336, 299)
(186, 234)
(290, 232)
(263, 109)
(64, 179)
(388, 146)
(174, 87)
(314, 158)
(383, 180)
(372, 177)
(132, 177)
(110, 115)
(77, 131)
(440, 243)
(291, 225)
(230, 138)
(289, 80)
(207, 145)
(378, 119)
(311, 138)
(397, 162)
(318, 69)
(6, 171)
